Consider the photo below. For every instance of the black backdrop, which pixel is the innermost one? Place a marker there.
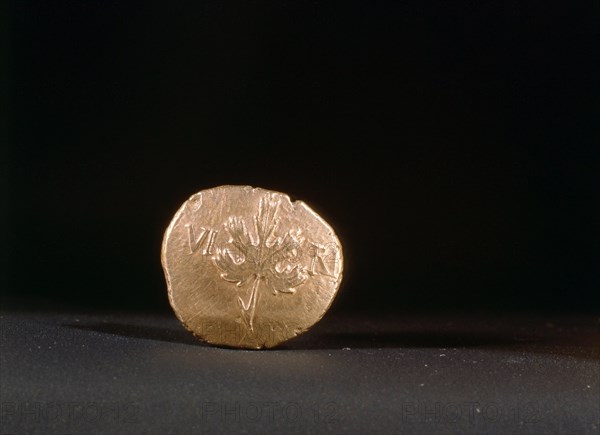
(450, 144)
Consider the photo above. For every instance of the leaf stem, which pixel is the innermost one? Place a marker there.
(249, 308)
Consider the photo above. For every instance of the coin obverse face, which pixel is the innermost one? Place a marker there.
(246, 267)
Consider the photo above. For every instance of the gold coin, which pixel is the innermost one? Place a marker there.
(247, 267)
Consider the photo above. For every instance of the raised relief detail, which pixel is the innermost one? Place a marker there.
(205, 238)
(324, 259)
(260, 260)
(198, 237)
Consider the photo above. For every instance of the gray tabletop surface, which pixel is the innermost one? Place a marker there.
(70, 372)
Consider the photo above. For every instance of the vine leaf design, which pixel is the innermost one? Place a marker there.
(261, 259)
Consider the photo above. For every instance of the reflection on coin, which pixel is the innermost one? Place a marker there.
(248, 268)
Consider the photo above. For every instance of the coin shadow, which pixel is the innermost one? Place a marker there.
(324, 340)
(145, 332)
(412, 339)
(321, 341)
(584, 348)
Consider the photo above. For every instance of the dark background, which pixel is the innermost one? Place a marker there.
(450, 144)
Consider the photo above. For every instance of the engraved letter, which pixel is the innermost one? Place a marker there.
(206, 238)
(322, 256)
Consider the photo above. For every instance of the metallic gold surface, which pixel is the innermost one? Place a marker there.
(246, 267)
